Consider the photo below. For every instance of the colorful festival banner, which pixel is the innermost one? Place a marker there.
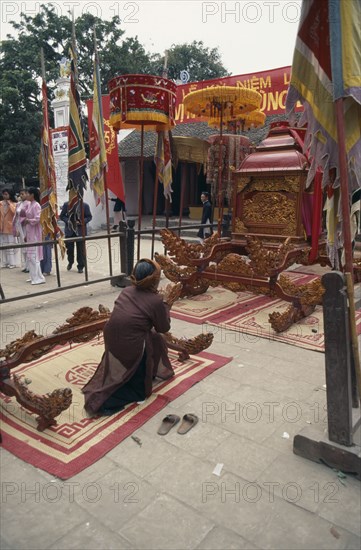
(77, 175)
(324, 70)
(48, 216)
(164, 159)
(312, 84)
(98, 155)
(114, 176)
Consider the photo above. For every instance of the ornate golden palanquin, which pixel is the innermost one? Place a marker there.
(271, 225)
(267, 237)
(268, 190)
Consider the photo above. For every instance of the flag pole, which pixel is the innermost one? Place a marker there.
(155, 198)
(184, 171)
(346, 230)
(220, 193)
(108, 224)
(96, 61)
(140, 195)
(48, 187)
(156, 181)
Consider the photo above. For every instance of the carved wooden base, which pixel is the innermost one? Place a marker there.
(187, 347)
(250, 264)
(82, 326)
(314, 445)
(282, 321)
(46, 406)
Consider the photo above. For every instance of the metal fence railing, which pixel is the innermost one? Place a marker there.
(125, 240)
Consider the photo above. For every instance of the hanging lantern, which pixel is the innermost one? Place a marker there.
(138, 100)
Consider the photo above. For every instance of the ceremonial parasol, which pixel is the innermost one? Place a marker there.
(243, 123)
(143, 102)
(233, 151)
(221, 103)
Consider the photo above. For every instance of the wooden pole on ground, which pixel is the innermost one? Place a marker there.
(220, 200)
(346, 230)
(155, 197)
(108, 225)
(140, 195)
(83, 243)
(184, 170)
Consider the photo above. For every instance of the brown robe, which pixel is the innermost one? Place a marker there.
(128, 333)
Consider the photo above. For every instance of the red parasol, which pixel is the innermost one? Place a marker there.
(143, 102)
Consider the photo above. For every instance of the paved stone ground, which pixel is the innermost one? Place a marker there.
(163, 495)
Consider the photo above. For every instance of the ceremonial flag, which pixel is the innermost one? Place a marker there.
(77, 176)
(326, 66)
(164, 162)
(48, 216)
(114, 176)
(98, 155)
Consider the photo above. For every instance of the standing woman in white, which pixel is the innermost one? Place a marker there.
(7, 213)
(34, 234)
(18, 229)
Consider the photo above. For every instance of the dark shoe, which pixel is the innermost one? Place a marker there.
(167, 423)
(24, 271)
(80, 270)
(69, 267)
(188, 421)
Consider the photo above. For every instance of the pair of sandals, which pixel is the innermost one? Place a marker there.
(169, 421)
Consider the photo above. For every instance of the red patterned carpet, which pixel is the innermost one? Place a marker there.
(78, 441)
(248, 314)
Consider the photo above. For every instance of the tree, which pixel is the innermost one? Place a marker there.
(20, 75)
(20, 121)
(202, 63)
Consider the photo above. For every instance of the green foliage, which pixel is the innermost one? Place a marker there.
(202, 63)
(20, 74)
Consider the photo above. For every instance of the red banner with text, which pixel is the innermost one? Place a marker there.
(113, 176)
(272, 85)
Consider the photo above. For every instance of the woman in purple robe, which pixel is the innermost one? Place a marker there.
(135, 351)
(33, 234)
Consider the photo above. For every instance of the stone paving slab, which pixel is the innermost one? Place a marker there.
(173, 525)
(178, 501)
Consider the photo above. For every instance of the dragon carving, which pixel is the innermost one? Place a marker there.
(47, 406)
(198, 266)
(82, 326)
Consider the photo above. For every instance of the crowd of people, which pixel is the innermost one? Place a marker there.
(20, 224)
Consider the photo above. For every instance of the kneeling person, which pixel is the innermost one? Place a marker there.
(135, 352)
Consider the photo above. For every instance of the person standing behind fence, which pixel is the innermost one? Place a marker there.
(205, 232)
(34, 234)
(80, 251)
(119, 214)
(18, 229)
(7, 213)
(45, 263)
